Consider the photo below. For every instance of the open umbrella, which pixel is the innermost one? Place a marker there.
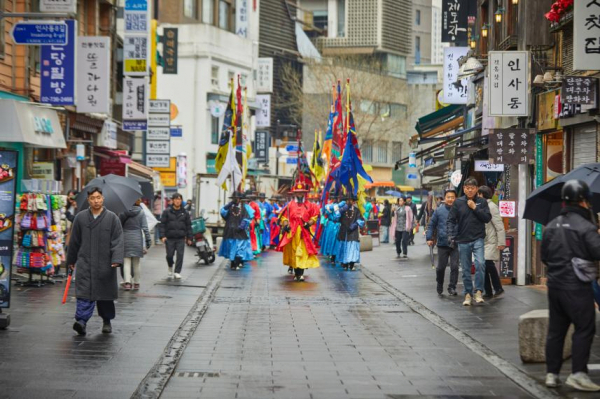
(544, 203)
(119, 192)
(394, 193)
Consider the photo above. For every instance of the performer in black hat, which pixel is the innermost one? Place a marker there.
(236, 241)
(348, 236)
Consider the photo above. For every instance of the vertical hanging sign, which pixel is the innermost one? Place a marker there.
(93, 80)
(455, 21)
(264, 81)
(586, 35)
(170, 50)
(57, 68)
(241, 18)
(8, 178)
(454, 92)
(136, 41)
(135, 103)
(509, 74)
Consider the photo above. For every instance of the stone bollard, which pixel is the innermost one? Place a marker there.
(366, 243)
(533, 330)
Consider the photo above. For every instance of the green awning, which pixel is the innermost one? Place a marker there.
(258, 172)
(444, 115)
(4, 95)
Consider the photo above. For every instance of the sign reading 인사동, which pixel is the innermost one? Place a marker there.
(93, 81)
(586, 35)
(263, 116)
(135, 103)
(509, 83)
(264, 75)
(40, 33)
(580, 90)
(512, 146)
(508, 209)
(57, 70)
(454, 93)
(455, 21)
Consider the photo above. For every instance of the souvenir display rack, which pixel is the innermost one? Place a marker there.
(40, 228)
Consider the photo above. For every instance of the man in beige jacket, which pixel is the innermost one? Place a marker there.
(495, 242)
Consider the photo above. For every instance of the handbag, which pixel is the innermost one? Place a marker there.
(585, 270)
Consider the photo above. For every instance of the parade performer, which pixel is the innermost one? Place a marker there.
(332, 235)
(348, 236)
(299, 251)
(255, 224)
(266, 210)
(236, 241)
(274, 228)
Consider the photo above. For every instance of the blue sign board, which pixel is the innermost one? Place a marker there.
(177, 131)
(135, 125)
(40, 33)
(57, 68)
(136, 5)
(292, 148)
(291, 161)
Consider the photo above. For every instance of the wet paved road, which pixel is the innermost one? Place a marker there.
(337, 335)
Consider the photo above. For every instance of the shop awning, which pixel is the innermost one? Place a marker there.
(106, 153)
(380, 184)
(30, 124)
(444, 119)
(140, 170)
(438, 169)
(450, 136)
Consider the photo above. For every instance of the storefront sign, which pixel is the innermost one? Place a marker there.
(486, 166)
(112, 165)
(455, 21)
(507, 258)
(135, 103)
(136, 21)
(159, 106)
(546, 110)
(159, 120)
(135, 53)
(454, 93)
(508, 209)
(586, 35)
(261, 146)
(8, 187)
(553, 156)
(263, 116)
(580, 90)
(509, 86)
(93, 80)
(241, 18)
(66, 6)
(43, 170)
(176, 131)
(153, 160)
(168, 179)
(512, 146)
(539, 176)
(42, 125)
(158, 147)
(158, 133)
(264, 82)
(57, 69)
(170, 50)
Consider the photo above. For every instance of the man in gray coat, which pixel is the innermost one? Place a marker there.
(96, 250)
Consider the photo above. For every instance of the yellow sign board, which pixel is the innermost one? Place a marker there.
(135, 65)
(172, 166)
(168, 179)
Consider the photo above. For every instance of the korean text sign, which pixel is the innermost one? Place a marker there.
(580, 90)
(512, 146)
(509, 83)
(264, 82)
(57, 68)
(263, 116)
(93, 80)
(135, 103)
(170, 50)
(261, 145)
(586, 35)
(454, 93)
(455, 21)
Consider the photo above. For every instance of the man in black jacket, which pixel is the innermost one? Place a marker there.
(573, 234)
(175, 226)
(386, 221)
(466, 227)
(413, 207)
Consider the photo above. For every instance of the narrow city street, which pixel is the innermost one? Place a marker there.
(377, 332)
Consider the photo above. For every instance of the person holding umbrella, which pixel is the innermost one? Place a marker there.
(571, 241)
(96, 249)
(175, 227)
(135, 231)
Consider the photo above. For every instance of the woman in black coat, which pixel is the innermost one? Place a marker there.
(136, 233)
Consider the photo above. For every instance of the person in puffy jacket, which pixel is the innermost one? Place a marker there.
(447, 250)
(495, 242)
(175, 226)
(135, 233)
(573, 234)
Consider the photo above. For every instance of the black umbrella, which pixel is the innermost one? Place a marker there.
(146, 186)
(120, 193)
(544, 203)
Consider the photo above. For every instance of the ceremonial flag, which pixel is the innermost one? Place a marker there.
(230, 168)
(316, 163)
(338, 126)
(228, 127)
(329, 132)
(239, 133)
(351, 164)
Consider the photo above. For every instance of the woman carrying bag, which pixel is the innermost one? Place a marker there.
(134, 225)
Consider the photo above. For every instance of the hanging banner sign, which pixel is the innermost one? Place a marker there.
(57, 69)
(135, 53)
(586, 35)
(135, 103)
(170, 50)
(93, 80)
(8, 190)
(455, 21)
(454, 92)
(263, 116)
(264, 81)
(509, 86)
(512, 146)
(580, 90)
(261, 146)
(241, 18)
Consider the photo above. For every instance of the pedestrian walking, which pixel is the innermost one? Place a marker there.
(404, 224)
(175, 228)
(135, 234)
(386, 221)
(447, 250)
(236, 238)
(495, 242)
(299, 251)
(571, 241)
(413, 208)
(158, 205)
(466, 227)
(350, 220)
(95, 251)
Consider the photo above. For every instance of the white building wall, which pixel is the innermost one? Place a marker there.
(437, 47)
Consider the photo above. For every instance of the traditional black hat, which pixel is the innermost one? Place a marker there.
(237, 195)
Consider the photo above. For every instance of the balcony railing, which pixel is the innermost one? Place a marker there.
(510, 43)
